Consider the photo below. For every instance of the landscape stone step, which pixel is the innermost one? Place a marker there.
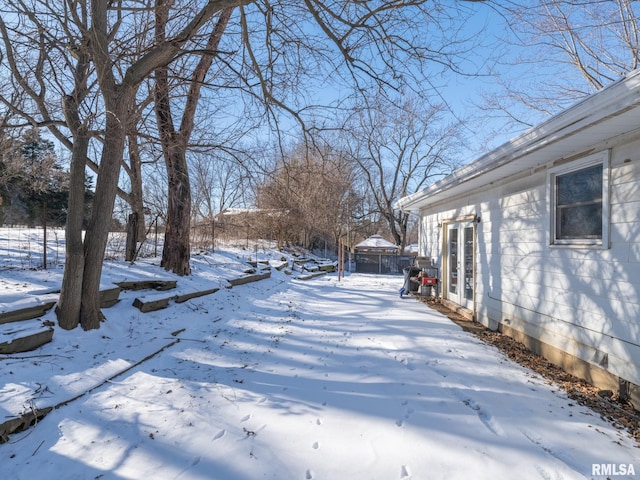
(34, 307)
(188, 296)
(109, 297)
(27, 308)
(159, 285)
(254, 277)
(151, 303)
(19, 332)
(311, 275)
(24, 336)
(154, 302)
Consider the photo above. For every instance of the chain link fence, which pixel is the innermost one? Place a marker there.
(381, 264)
(33, 248)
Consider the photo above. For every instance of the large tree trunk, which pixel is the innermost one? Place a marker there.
(177, 249)
(118, 104)
(176, 252)
(135, 176)
(134, 199)
(68, 308)
(131, 248)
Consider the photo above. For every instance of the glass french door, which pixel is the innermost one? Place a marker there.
(459, 265)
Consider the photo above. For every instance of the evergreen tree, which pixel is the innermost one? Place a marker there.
(36, 191)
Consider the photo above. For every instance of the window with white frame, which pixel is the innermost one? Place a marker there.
(579, 193)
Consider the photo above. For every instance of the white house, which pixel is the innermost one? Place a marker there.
(540, 238)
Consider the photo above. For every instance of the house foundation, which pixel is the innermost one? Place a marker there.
(586, 371)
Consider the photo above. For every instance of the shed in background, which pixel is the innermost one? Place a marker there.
(379, 256)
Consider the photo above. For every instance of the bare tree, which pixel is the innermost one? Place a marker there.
(599, 42)
(304, 198)
(176, 251)
(39, 63)
(279, 200)
(401, 147)
(48, 58)
(562, 50)
(119, 82)
(91, 35)
(274, 52)
(219, 183)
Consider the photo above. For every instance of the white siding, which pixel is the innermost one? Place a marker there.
(584, 301)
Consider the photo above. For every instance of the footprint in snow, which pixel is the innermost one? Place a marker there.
(544, 473)
(407, 363)
(195, 461)
(220, 434)
(309, 475)
(563, 456)
(246, 418)
(433, 365)
(404, 472)
(456, 352)
(483, 414)
(316, 445)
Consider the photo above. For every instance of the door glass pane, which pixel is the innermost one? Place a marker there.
(453, 260)
(468, 263)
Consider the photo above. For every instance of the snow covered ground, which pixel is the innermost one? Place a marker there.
(288, 379)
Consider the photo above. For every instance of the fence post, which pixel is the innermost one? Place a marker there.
(44, 234)
(339, 258)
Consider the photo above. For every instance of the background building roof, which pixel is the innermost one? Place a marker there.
(376, 242)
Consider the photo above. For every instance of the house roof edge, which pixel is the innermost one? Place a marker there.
(614, 99)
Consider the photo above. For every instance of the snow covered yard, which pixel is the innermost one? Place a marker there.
(286, 379)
